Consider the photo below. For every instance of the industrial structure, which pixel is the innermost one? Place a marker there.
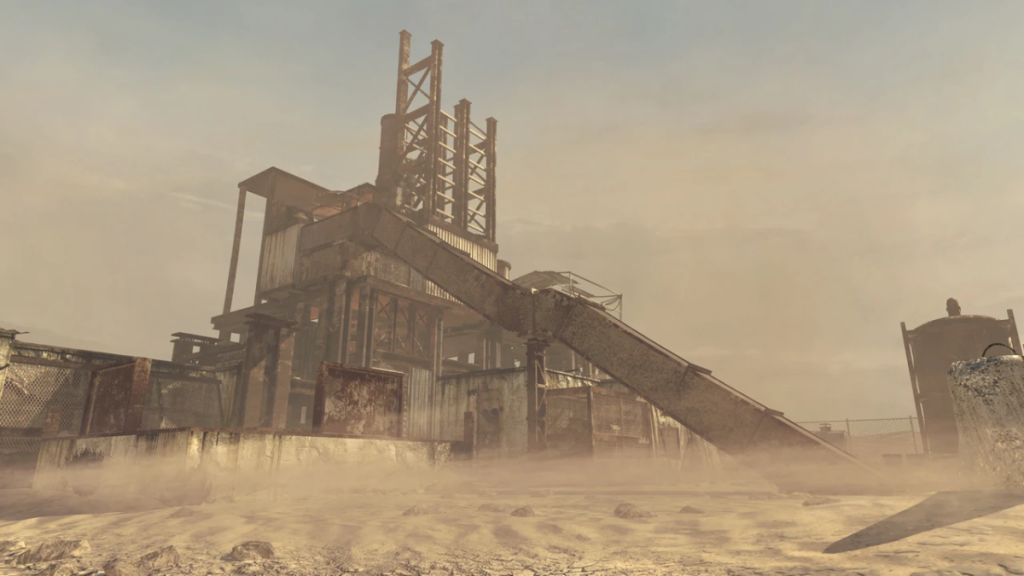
(395, 289)
(931, 350)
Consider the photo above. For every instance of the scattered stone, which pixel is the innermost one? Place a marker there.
(524, 512)
(541, 493)
(1013, 567)
(52, 551)
(690, 510)
(767, 496)
(122, 567)
(819, 500)
(422, 510)
(185, 513)
(976, 571)
(253, 550)
(491, 508)
(166, 557)
(627, 510)
(448, 496)
(58, 570)
(9, 546)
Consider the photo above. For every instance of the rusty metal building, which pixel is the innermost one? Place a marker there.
(402, 276)
(932, 348)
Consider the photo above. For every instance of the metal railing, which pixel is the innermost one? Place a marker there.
(871, 439)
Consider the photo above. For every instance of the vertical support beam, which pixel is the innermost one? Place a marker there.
(469, 432)
(236, 246)
(402, 99)
(282, 379)
(363, 313)
(432, 131)
(536, 386)
(6, 346)
(371, 321)
(436, 365)
(346, 324)
(1014, 335)
(590, 420)
(461, 195)
(137, 395)
(492, 178)
(331, 319)
(921, 425)
(262, 362)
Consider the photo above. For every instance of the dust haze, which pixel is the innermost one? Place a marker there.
(773, 188)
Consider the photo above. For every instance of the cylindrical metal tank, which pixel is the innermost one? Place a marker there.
(931, 350)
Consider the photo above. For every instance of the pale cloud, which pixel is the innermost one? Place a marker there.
(774, 187)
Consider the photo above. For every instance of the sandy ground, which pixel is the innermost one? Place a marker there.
(350, 524)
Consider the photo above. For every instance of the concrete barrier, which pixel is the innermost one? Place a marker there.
(189, 466)
(988, 403)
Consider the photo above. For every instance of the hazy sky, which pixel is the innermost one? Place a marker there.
(774, 185)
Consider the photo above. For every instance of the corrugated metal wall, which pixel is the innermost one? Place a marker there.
(279, 250)
(485, 256)
(419, 389)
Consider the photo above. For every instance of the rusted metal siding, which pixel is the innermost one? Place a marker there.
(483, 255)
(504, 390)
(451, 402)
(391, 269)
(111, 392)
(358, 401)
(420, 394)
(279, 250)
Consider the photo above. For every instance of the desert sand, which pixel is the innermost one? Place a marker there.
(354, 522)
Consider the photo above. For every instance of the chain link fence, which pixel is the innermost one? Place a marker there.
(871, 440)
(182, 403)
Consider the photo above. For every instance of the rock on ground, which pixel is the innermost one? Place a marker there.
(491, 508)
(819, 500)
(185, 513)
(253, 550)
(162, 559)
(690, 510)
(58, 570)
(627, 510)
(767, 496)
(524, 512)
(166, 557)
(421, 510)
(122, 567)
(51, 551)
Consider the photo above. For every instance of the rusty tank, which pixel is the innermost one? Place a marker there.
(932, 348)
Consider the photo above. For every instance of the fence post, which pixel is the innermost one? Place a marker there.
(590, 418)
(469, 432)
(913, 435)
(849, 436)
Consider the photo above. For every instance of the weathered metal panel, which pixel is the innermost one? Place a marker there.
(483, 255)
(183, 403)
(761, 438)
(279, 251)
(500, 403)
(419, 388)
(111, 390)
(358, 401)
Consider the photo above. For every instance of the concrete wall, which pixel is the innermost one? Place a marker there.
(208, 464)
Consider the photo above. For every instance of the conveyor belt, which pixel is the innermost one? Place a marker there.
(781, 451)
